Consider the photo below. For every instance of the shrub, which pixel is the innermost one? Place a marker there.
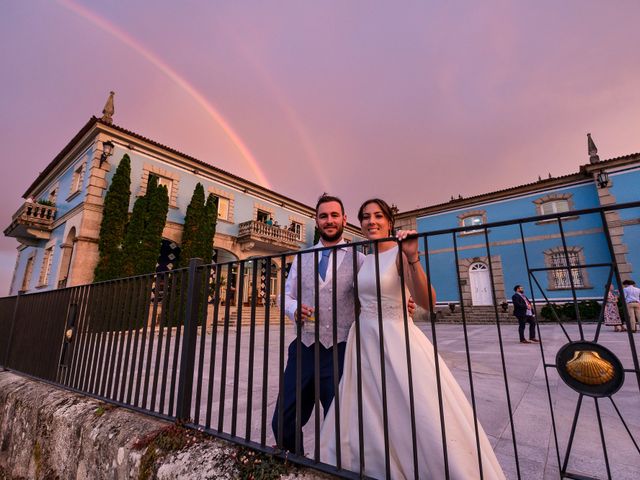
(588, 309)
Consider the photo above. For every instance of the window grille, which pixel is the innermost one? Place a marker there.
(561, 277)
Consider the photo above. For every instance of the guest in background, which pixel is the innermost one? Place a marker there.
(611, 314)
(523, 311)
(632, 298)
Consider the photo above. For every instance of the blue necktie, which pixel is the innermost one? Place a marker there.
(324, 263)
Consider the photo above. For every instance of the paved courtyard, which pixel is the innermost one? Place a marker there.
(535, 442)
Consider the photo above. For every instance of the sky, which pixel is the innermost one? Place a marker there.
(411, 101)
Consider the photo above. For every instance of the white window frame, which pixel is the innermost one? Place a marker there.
(28, 272)
(472, 224)
(554, 204)
(224, 207)
(45, 270)
(559, 279)
(77, 179)
(463, 218)
(298, 228)
(164, 181)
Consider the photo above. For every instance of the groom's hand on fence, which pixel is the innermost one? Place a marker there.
(306, 313)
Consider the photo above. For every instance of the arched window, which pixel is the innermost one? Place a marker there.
(472, 218)
(554, 203)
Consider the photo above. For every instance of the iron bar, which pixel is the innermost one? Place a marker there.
(236, 363)
(570, 275)
(252, 341)
(546, 375)
(502, 355)
(466, 346)
(405, 318)
(385, 414)
(214, 343)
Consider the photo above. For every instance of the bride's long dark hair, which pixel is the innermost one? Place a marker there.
(386, 211)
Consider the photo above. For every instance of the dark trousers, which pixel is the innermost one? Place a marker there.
(307, 391)
(522, 321)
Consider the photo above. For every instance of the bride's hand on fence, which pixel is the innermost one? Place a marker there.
(409, 246)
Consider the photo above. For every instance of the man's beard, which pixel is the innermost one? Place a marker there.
(334, 237)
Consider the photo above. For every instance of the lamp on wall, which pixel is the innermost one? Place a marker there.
(107, 151)
(602, 179)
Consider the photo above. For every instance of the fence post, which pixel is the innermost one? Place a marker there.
(188, 354)
(10, 337)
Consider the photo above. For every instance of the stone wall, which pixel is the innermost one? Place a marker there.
(50, 433)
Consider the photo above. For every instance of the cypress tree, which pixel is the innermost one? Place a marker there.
(193, 221)
(211, 215)
(144, 232)
(157, 209)
(114, 220)
(131, 246)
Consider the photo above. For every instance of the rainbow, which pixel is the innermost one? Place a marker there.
(294, 120)
(173, 75)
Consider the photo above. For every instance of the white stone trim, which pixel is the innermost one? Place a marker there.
(161, 172)
(219, 192)
(553, 197)
(265, 208)
(303, 230)
(575, 249)
(78, 177)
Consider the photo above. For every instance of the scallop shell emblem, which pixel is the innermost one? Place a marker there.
(590, 368)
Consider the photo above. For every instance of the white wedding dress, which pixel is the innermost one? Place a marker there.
(460, 431)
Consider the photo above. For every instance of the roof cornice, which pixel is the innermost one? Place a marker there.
(583, 174)
(137, 141)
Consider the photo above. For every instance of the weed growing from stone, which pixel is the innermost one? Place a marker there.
(162, 442)
(252, 465)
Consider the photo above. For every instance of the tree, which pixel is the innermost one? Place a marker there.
(194, 220)
(114, 220)
(144, 233)
(158, 207)
(211, 215)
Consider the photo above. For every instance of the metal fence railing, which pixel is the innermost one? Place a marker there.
(186, 344)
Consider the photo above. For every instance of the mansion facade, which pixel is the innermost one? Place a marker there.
(58, 225)
(465, 266)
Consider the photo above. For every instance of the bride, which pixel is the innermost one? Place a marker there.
(376, 219)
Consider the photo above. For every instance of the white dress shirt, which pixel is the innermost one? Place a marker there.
(631, 294)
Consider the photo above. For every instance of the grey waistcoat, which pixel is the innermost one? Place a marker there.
(344, 301)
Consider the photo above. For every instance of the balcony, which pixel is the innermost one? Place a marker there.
(32, 223)
(274, 239)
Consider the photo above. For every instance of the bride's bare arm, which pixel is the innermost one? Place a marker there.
(414, 275)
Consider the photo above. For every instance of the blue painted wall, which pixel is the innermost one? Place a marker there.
(243, 209)
(505, 242)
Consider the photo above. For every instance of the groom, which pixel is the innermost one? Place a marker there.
(330, 220)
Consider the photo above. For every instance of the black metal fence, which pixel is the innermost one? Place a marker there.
(177, 345)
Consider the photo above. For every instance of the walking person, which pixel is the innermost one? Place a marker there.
(611, 314)
(523, 311)
(632, 299)
(386, 346)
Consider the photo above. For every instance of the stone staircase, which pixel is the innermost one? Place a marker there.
(274, 316)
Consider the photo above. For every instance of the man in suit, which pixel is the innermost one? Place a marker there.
(523, 311)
